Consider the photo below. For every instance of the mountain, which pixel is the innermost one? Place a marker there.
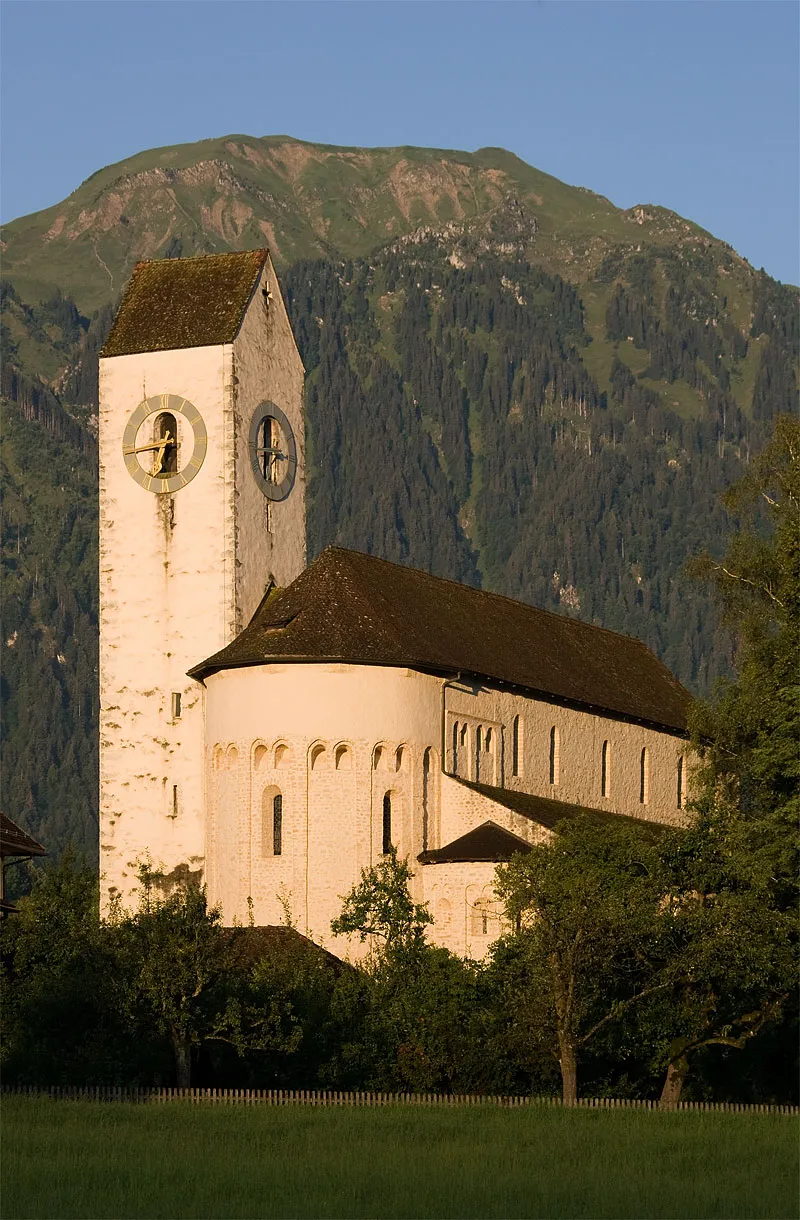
(308, 201)
(509, 381)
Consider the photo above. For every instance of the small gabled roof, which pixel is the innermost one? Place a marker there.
(488, 842)
(14, 841)
(185, 302)
(355, 608)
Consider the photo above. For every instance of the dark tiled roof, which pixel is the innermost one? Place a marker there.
(352, 607)
(548, 813)
(15, 842)
(279, 943)
(488, 842)
(184, 302)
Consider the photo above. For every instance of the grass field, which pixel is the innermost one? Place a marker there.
(89, 1159)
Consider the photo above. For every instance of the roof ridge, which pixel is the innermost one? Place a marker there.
(194, 258)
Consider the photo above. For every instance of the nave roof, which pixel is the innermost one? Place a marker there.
(355, 608)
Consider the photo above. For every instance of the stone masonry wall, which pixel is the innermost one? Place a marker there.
(334, 739)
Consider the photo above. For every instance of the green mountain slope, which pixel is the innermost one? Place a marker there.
(510, 382)
(309, 200)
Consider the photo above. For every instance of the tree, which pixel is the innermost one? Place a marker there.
(422, 1009)
(733, 879)
(63, 1011)
(380, 904)
(589, 939)
(748, 787)
(177, 957)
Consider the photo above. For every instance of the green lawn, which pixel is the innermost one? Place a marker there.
(88, 1159)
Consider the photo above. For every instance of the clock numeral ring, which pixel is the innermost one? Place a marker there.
(274, 462)
(159, 478)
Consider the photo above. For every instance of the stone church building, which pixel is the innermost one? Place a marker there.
(274, 728)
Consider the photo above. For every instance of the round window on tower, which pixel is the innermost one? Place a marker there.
(273, 451)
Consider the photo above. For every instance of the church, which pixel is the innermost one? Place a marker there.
(272, 728)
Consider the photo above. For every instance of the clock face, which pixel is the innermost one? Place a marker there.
(164, 443)
(273, 451)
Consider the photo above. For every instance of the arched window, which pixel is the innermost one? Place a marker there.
(605, 770)
(479, 918)
(680, 794)
(231, 757)
(478, 752)
(644, 777)
(516, 753)
(377, 757)
(463, 752)
(400, 758)
(277, 824)
(217, 758)
(444, 913)
(271, 822)
(343, 758)
(260, 757)
(166, 431)
(387, 823)
(318, 757)
(555, 755)
(281, 755)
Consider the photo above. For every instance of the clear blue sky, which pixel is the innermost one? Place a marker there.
(693, 105)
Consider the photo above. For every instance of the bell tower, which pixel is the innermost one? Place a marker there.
(202, 504)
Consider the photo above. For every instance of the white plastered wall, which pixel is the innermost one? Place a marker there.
(166, 598)
(270, 538)
(179, 577)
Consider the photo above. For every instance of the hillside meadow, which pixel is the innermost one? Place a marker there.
(89, 1159)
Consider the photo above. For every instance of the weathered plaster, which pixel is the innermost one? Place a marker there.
(179, 575)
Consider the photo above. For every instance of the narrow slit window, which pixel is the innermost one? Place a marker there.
(455, 747)
(605, 772)
(680, 793)
(174, 800)
(176, 705)
(427, 781)
(277, 824)
(515, 747)
(555, 755)
(387, 823)
(644, 777)
(478, 752)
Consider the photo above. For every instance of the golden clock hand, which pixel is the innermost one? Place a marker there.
(167, 440)
(159, 458)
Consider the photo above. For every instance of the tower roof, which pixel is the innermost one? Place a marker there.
(355, 608)
(185, 302)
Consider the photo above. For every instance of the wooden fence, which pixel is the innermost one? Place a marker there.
(320, 1097)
